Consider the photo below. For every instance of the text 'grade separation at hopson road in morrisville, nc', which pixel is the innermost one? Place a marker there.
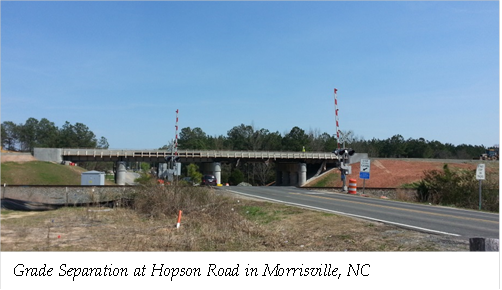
(212, 270)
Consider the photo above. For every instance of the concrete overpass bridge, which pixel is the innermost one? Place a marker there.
(292, 168)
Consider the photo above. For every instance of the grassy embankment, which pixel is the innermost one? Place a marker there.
(330, 179)
(42, 173)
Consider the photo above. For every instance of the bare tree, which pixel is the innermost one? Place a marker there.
(263, 171)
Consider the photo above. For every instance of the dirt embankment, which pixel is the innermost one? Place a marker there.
(396, 172)
(17, 157)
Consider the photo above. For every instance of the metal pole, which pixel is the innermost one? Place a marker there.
(176, 140)
(479, 194)
(364, 183)
(176, 150)
(344, 172)
(343, 179)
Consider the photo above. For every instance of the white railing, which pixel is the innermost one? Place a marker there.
(201, 154)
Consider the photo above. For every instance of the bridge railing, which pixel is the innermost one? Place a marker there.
(200, 154)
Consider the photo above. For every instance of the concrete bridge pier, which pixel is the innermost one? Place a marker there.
(302, 174)
(120, 174)
(291, 174)
(217, 171)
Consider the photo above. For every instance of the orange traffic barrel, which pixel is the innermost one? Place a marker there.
(352, 186)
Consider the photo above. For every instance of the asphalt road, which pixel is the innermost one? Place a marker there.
(436, 219)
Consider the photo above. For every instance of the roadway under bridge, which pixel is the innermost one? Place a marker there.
(292, 168)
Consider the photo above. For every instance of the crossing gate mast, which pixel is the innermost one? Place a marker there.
(176, 140)
(336, 119)
(174, 167)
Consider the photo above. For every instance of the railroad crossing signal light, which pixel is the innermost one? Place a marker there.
(173, 158)
(341, 152)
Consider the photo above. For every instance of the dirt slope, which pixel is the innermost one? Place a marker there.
(17, 157)
(396, 172)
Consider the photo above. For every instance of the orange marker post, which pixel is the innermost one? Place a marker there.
(179, 220)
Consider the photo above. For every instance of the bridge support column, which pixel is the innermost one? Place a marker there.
(302, 174)
(217, 171)
(121, 173)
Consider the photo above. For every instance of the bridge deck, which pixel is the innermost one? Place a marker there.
(191, 155)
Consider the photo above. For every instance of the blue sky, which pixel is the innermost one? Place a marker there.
(419, 69)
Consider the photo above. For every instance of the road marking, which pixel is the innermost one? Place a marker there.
(348, 214)
(404, 209)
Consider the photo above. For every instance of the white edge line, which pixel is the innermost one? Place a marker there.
(348, 214)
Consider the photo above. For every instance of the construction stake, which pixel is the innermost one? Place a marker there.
(179, 220)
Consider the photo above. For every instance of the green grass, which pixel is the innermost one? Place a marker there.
(6, 212)
(258, 214)
(264, 214)
(328, 180)
(40, 173)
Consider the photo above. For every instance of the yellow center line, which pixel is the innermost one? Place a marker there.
(397, 208)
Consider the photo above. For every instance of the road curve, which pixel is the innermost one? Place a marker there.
(436, 219)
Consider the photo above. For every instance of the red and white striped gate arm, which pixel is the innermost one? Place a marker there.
(336, 119)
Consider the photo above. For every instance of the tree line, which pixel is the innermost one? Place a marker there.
(249, 138)
(45, 134)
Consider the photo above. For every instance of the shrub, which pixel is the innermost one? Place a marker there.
(236, 177)
(193, 172)
(459, 188)
(159, 201)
